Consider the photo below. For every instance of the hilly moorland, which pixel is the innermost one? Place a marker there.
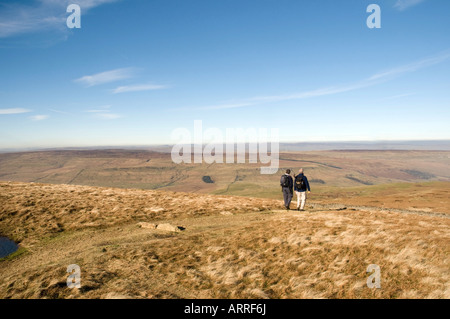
(329, 171)
(140, 226)
(132, 243)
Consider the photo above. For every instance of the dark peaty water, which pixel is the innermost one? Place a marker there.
(7, 247)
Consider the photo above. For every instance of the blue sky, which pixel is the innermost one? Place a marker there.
(138, 69)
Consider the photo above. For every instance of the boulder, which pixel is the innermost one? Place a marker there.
(167, 227)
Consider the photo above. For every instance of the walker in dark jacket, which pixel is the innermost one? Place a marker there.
(305, 184)
(288, 191)
(300, 190)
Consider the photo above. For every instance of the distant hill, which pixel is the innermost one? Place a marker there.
(443, 145)
(430, 145)
(328, 171)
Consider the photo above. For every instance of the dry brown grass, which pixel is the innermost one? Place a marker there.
(233, 247)
(426, 197)
(30, 211)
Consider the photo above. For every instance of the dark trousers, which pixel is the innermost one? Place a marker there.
(287, 195)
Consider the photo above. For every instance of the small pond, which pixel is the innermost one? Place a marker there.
(7, 246)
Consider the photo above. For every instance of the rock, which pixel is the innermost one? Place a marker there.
(147, 225)
(169, 227)
(156, 209)
(226, 213)
(275, 240)
(165, 227)
(114, 295)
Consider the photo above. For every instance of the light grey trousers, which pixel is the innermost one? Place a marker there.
(301, 196)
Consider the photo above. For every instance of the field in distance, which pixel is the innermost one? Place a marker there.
(335, 176)
(328, 171)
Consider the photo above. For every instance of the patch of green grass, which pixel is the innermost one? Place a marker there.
(55, 237)
(19, 252)
(250, 190)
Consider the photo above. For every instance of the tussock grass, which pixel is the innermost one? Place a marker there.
(254, 250)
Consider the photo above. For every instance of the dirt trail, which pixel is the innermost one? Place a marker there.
(374, 209)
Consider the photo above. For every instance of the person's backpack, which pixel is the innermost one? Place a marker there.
(284, 181)
(299, 182)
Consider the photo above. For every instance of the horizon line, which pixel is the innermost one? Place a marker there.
(138, 146)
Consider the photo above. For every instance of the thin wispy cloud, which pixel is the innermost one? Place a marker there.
(39, 117)
(13, 111)
(138, 87)
(96, 111)
(368, 82)
(297, 96)
(59, 112)
(84, 4)
(405, 4)
(106, 77)
(39, 16)
(100, 109)
(107, 116)
(226, 106)
(103, 113)
(17, 19)
(314, 93)
(411, 67)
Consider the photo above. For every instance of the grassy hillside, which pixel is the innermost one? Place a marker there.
(231, 247)
(140, 226)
